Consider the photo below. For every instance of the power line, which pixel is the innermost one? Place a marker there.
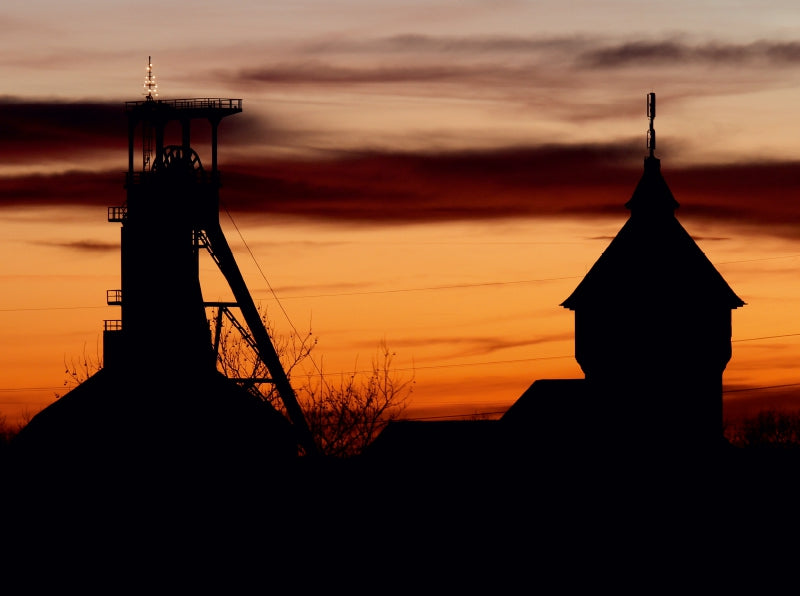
(337, 294)
(449, 416)
(271, 289)
(468, 415)
(443, 287)
(767, 337)
(758, 259)
(473, 414)
(760, 388)
(436, 288)
(22, 309)
(451, 365)
(13, 389)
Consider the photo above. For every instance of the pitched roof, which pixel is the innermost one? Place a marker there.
(115, 418)
(653, 259)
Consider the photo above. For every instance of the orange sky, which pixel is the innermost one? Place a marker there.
(439, 175)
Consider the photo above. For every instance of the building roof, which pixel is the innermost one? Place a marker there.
(117, 419)
(653, 259)
(546, 398)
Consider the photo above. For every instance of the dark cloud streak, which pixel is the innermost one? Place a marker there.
(39, 130)
(372, 187)
(84, 245)
(416, 43)
(69, 188)
(320, 73)
(402, 188)
(671, 52)
(556, 181)
(35, 131)
(431, 59)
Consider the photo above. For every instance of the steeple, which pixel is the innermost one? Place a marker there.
(653, 258)
(653, 319)
(652, 195)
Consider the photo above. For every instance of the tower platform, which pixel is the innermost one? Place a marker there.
(199, 107)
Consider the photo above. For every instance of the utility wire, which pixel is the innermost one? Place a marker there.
(767, 337)
(758, 259)
(418, 289)
(469, 415)
(452, 365)
(403, 290)
(40, 308)
(436, 288)
(760, 388)
(272, 291)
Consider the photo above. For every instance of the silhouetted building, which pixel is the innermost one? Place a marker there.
(652, 331)
(653, 338)
(159, 396)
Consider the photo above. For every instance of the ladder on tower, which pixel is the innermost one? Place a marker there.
(147, 146)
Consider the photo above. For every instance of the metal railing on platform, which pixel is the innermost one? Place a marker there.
(192, 103)
(112, 325)
(117, 213)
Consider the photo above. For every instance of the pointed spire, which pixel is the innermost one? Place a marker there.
(652, 260)
(652, 195)
(150, 86)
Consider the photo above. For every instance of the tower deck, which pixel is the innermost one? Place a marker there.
(198, 107)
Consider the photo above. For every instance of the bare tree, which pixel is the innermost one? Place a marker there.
(767, 428)
(347, 416)
(9, 430)
(78, 369)
(237, 359)
(344, 417)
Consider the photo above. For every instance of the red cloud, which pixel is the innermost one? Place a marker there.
(34, 131)
(388, 188)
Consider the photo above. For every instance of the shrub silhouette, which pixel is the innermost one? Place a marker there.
(768, 428)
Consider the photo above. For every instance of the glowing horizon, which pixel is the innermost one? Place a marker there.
(437, 174)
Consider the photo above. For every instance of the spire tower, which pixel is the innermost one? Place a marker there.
(653, 322)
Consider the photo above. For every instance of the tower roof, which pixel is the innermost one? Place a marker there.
(652, 196)
(120, 418)
(653, 260)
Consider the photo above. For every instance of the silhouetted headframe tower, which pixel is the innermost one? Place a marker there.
(160, 358)
(170, 216)
(653, 321)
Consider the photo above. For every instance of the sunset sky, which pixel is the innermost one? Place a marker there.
(439, 175)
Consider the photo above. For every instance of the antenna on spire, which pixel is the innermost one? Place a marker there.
(651, 114)
(150, 86)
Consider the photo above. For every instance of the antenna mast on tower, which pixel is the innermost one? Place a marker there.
(150, 92)
(651, 114)
(150, 86)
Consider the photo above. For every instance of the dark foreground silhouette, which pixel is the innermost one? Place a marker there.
(464, 517)
(618, 480)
